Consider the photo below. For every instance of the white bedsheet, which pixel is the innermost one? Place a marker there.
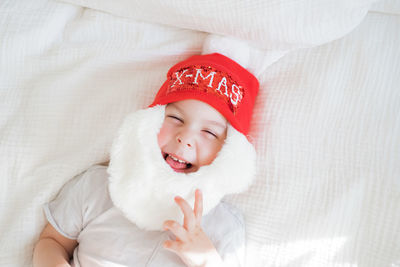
(326, 129)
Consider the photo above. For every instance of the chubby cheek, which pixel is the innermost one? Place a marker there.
(209, 153)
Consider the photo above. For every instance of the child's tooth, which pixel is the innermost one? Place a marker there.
(178, 160)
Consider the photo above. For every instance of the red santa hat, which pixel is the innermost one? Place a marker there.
(216, 80)
(143, 186)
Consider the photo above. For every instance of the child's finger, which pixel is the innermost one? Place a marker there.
(171, 245)
(177, 229)
(189, 219)
(198, 205)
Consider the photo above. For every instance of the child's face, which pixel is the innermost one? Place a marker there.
(191, 135)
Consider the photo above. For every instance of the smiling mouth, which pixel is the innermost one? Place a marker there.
(176, 164)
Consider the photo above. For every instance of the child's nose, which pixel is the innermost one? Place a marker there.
(185, 139)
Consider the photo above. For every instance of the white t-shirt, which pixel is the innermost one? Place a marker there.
(83, 211)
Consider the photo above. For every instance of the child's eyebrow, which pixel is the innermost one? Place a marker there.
(175, 106)
(216, 123)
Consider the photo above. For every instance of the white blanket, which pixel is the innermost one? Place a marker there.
(326, 126)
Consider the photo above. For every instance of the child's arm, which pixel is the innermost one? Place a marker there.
(53, 249)
(192, 245)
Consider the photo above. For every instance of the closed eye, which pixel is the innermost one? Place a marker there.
(211, 133)
(175, 118)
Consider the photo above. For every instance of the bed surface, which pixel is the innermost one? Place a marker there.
(326, 126)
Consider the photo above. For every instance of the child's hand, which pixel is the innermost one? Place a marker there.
(192, 245)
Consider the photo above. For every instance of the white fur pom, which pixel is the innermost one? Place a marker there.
(236, 49)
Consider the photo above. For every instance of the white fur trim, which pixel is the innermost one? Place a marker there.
(143, 186)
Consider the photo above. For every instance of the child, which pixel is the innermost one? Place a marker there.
(137, 212)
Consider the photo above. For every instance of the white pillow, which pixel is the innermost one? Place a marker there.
(391, 7)
(269, 24)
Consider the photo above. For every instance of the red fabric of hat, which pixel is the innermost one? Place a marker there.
(216, 80)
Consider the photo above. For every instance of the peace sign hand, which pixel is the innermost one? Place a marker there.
(192, 245)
